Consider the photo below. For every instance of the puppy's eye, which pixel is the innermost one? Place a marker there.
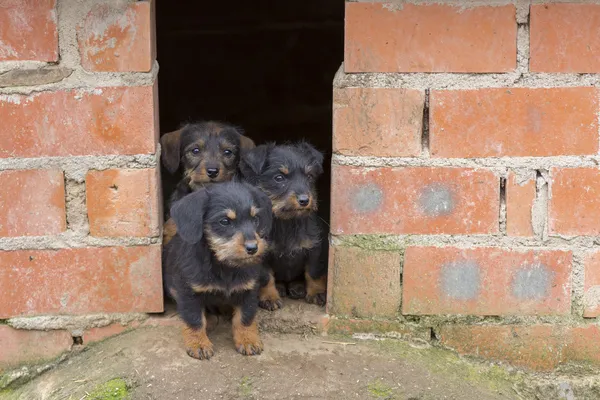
(225, 221)
(227, 153)
(195, 150)
(279, 178)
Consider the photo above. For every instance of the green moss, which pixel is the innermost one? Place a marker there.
(374, 242)
(115, 389)
(245, 389)
(379, 390)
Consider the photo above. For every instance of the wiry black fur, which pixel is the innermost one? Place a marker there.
(189, 260)
(289, 256)
(196, 147)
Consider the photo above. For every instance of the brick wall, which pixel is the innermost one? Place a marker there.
(465, 179)
(80, 214)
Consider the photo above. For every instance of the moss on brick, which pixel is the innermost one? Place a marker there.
(373, 242)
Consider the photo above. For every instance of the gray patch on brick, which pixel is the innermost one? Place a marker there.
(436, 200)
(460, 280)
(33, 77)
(74, 323)
(532, 282)
(367, 198)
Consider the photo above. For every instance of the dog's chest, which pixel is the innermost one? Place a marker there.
(225, 284)
(289, 239)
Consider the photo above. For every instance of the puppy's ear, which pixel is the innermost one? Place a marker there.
(315, 156)
(170, 145)
(188, 214)
(246, 144)
(266, 214)
(253, 161)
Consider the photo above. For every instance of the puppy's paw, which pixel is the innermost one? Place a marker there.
(271, 304)
(319, 299)
(249, 347)
(296, 290)
(201, 352)
(281, 289)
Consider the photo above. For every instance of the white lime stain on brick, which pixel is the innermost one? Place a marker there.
(436, 200)
(532, 282)
(367, 198)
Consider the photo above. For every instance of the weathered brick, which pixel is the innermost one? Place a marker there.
(521, 122)
(117, 38)
(564, 38)
(574, 207)
(486, 281)
(538, 347)
(349, 326)
(101, 333)
(28, 30)
(520, 197)
(414, 200)
(110, 120)
(378, 122)
(32, 203)
(123, 202)
(80, 280)
(24, 346)
(591, 296)
(366, 283)
(429, 38)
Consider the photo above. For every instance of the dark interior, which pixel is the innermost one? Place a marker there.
(267, 66)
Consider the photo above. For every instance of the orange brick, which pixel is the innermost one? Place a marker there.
(28, 30)
(24, 346)
(429, 38)
(486, 281)
(591, 297)
(520, 122)
(366, 283)
(33, 203)
(98, 334)
(574, 207)
(123, 202)
(80, 280)
(538, 347)
(378, 122)
(520, 196)
(117, 39)
(414, 200)
(564, 38)
(111, 120)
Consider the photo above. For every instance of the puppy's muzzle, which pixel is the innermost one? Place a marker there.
(251, 247)
(303, 200)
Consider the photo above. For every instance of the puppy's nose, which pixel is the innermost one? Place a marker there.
(303, 200)
(212, 172)
(251, 247)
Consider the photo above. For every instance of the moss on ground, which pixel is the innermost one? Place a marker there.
(115, 389)
(380, 390)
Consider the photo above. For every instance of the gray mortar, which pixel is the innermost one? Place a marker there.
(577, 282)
(539, 210)
(70, 14)
(74, 324)
(33, 77)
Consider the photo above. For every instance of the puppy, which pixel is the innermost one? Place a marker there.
(207, 152)
(215, 261)
(287, 174)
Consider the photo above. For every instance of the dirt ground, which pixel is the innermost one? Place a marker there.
(150, 363)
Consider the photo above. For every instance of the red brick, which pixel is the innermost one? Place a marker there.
(33, 203)
(414, 200)
(486, 281)
(110, 120)
(101, 333)
(429, 38)
(366, 283)
(80, 280)
(28, 30)
(117, 39)
(591, 296)
(574, 207)
(520, 196)
(378, 122)
(23, 346)
(123, 202)
(564, 38)
(520, 122)
(538, 347)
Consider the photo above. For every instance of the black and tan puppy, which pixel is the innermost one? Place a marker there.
(206, 152)
(287, 174)
(215, 260)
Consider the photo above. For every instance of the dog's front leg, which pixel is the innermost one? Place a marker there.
(245, 329)
(268, 295)
(315, 274)
(197, 343)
